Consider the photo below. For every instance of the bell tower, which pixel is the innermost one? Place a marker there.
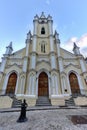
(43, 38)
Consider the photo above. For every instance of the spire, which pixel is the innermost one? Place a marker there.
(49, 17)
(36, 17)
(76, 49)
(57, 37)
(42, 15)
(75, 45)
(28, 37)
(10, 45)
(9, 49)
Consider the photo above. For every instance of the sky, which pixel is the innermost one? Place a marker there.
(69, 19)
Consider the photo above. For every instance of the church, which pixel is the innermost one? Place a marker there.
(42, 68)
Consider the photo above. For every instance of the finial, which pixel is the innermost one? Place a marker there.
(49, 17)
(29, 35)
(42, 15)
(9, 48)
(36, 17)
(75, 45)
(56, 35)
(76, 49)
(10, 44)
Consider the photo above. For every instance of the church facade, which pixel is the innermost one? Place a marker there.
(43, 68)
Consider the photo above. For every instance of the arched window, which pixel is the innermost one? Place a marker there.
(42, 30)
(43, 48)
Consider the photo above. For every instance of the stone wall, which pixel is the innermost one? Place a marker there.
(58, 101)
(5, 102)
(80, 101)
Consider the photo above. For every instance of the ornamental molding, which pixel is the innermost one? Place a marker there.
(76, 66)
(9, 66)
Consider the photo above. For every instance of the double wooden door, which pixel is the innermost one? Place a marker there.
(11, 83)
(74, 83)
(43, 85)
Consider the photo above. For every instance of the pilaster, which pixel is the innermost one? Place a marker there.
(3, 64)
(53, 60)
(35, 23)
(60, 61)
(83, 64)
(25, 63)
(33, 61)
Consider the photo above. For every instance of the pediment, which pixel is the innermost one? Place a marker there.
(72, 65)
(43, 65)
(14, 67)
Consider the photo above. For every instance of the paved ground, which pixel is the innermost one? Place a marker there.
(56, 119)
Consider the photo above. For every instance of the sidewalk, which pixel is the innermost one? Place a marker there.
(35, 108)
(43, 118)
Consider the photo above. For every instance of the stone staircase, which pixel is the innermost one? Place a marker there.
(69, 102)
(43, 101)
(16, 103)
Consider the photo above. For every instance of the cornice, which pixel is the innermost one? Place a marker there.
(9, 66)
(52, 70)
(76, 66)
(32, 70)
(52, 53)
(43, 61)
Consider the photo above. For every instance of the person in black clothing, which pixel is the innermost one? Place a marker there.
(22, 117)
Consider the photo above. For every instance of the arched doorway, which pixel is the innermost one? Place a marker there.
(74, 83)
(11, 83)
(43, 85)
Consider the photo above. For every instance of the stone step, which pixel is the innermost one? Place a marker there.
(43, 101)
(16, 103)
(43, 104)
(70, 102)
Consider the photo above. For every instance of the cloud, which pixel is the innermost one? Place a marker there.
(80, 42)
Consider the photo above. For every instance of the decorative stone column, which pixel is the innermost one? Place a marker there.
(53, 61)
(52, 53)
(28, 40)
(83, 64)
(49, 80)
(25, 63)
(33, 54)
(60, 62)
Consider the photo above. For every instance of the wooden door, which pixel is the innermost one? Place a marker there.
(43, 84)
(11, 83)
(74, 83)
